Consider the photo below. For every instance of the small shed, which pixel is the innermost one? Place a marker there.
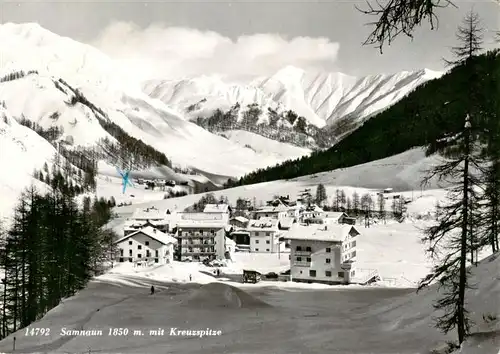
(251, 276)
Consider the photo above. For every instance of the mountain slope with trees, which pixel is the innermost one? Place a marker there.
(433, 109)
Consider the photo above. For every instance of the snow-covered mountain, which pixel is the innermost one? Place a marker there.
(39, 96)
(321, 98)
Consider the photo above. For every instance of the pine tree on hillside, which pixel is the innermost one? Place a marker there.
(381, 206)
(356, 202)
(470, 37)
(447, 246)
(321, 196)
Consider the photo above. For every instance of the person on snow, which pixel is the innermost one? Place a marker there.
(152, 289)
(190, 277)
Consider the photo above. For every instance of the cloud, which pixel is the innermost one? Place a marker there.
(174, 52)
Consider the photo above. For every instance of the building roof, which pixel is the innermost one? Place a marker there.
(271, 209)
(314, 208)
(201, 217)
(333, 214)
(152, 233)
(241, 219)
(286, 223)
(148, 213)
(201, 225)
(216, 208)
(329, 233)
(263, 224)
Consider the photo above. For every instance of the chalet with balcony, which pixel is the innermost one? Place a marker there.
(324, 254)
(264, 235)
(146, 245)
(238, 222)
(272, 212)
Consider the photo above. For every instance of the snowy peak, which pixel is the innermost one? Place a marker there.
(322, 98)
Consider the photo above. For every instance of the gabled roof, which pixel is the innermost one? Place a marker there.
(334, 214)
(263, 224)
(216, 208)
(148, 213)
(329, 233)
(152, 233)
(271, 209)
(286, 223)
(241, 219)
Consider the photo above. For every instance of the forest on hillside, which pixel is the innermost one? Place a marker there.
(432, 110)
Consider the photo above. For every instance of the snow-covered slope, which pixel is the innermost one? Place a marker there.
(21, 151)
(29, 47)
(322, 98)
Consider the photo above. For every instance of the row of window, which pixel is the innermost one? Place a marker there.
(308, 260)
(267, 242)
(328, 273)
(148, 253)
(131, 260)
(257, 250)
(308, 249)
(257, 233)
(139, 246)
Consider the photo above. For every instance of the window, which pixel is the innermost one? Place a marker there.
(139, 255)
(267, 249)
(148, 254)
(328, 273)
(328, 250)
(328, 260)
(268, 242)
(268, 234)
(147, 243)
(129, 252)
(299, 259)
(352, 273)
(308, 249)
(256, 250)
(312, 273)
(353, 254)
(256, 241)
(121, 259)
(353, 243)
(298, 248)
(308, 259)
(121, 252)
(156, 260)
(130, 242)
(156, 253)
(340, 274)
(139, 247)
(256, 233)
(130, 259)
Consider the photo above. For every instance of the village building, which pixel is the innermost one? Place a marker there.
(146, 245)
(330, 218)
(324, 254)
(278, 212)
(310, 212)
(219, 209)
(264, 235)
(153, 217)
(239, 222)
(241, 237)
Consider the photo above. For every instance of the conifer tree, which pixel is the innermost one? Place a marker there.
(470, 38)
(321, 196)
(447, 246)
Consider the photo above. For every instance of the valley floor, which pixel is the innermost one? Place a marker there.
(257, 320)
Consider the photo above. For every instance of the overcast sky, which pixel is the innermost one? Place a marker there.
(245, 37)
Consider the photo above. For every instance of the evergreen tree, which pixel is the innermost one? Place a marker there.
(321, 196)
(381, 206)
(356, 202)
(447, 246)
(470, 38)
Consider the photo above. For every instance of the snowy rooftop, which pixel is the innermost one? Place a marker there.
(241, 219)
(216, 208)
(200, 216)
(271, 209)
(263, 224)
(154, 234)
(201, 224)
(333, 215)
(148, 213)
(331, 233)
